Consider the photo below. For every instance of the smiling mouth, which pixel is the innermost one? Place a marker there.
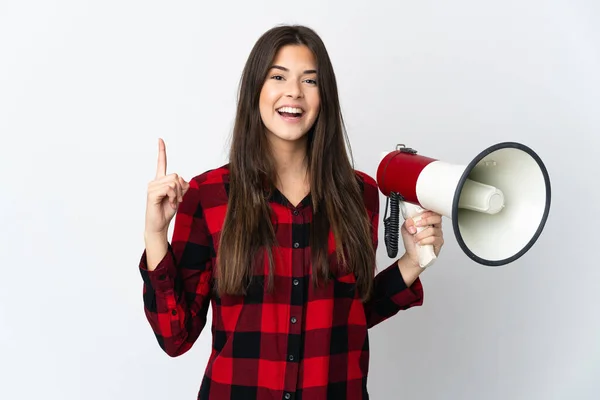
(292, 113)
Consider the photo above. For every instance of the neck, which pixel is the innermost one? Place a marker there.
(290, 159)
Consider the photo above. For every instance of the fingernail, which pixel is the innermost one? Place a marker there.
(413, 229)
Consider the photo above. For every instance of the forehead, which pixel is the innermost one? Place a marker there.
(295, 57)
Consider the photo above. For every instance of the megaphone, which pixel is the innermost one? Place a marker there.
(498, 203)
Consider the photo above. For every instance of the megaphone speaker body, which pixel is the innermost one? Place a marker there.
(498, 203)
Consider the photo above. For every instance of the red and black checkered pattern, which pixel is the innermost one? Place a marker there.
(297, 342)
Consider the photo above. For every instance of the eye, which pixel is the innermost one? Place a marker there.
(277, 77)
(311, 81)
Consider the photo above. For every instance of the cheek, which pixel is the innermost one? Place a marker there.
(267, 97)
(315, 101)
(265, 108)
(315, 105)
(263, 102)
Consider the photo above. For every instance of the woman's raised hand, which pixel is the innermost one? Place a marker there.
(165, 193)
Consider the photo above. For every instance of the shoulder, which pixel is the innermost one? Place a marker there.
(206, 198)
(209, 188)
(370, 190)
(365, 178)
(215, 176)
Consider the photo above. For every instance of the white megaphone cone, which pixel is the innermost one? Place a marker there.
(498, 203)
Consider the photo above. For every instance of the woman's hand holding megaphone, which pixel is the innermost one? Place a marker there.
(422, 235)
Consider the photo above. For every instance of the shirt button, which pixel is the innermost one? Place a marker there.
(294, 320)
(174, 312)
(288, 396)
(291, 357)
(296, 245)
(296, 282)
(295, 212)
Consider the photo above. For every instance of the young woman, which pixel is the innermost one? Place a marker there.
(280, 242)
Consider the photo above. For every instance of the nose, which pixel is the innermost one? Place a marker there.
(294, 89)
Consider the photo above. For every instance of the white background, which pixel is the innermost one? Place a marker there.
(86, 88)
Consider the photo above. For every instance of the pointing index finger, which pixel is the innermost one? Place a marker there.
(161, 168)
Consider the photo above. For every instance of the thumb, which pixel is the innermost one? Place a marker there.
(184, 185)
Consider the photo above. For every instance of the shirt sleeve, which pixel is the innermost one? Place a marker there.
(390, 293)
(176, 295)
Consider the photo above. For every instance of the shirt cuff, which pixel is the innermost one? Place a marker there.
(392, 285)
(162, 278)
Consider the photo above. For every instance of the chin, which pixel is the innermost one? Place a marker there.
(288, 136)
(288, 133)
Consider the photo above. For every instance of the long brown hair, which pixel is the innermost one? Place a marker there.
(336, 193)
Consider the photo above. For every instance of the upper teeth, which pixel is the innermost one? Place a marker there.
(292, 110)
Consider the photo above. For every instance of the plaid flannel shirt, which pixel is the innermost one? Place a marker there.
(297, 342)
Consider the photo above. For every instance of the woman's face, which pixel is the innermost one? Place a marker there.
(289, 99)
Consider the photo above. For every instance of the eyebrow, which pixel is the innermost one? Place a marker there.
(308, 71)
